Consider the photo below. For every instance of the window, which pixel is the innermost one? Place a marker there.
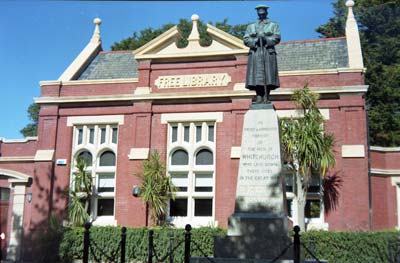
(313, 208)
(87, 157)
(97, 145)
(191, 167)
(4, 194)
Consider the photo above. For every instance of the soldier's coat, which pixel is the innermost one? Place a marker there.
(262, 65)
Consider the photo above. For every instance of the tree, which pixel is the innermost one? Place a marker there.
(185, 27)
(80, 194)
(307, 148)
(379, 24)
(156, 188)
(33, 114)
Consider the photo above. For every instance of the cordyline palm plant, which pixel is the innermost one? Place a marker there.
(156, 188)
(80, 194)
(306, 146)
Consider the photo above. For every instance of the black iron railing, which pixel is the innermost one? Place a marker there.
(119, 255)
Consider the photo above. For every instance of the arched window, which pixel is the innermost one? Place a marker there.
(87, 157)
(204, 157)
(107, 158)
(180, 157)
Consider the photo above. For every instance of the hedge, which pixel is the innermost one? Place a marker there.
(354, 247)
(108, 239)
(336, 247)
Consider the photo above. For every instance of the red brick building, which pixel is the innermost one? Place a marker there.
(115, 107)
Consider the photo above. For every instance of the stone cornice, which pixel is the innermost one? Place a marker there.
(384, 172)
(24, 140)
(192, 95)
(384, 149)
(88, 82)
(17, 159)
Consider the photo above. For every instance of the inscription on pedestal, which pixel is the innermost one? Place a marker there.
(259, 188)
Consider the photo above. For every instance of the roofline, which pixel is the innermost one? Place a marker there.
(312, 40)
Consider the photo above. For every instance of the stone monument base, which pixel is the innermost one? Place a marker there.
(254, 236)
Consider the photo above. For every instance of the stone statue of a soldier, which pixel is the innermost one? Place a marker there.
(262, 69)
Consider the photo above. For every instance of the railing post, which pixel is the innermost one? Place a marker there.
(151, 247)
(296, 245)
(171, 245)
(86, 243)
(123, 244)
(188, 228)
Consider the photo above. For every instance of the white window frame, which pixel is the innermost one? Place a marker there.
(312, 223)
(96, 149)
(192, 148)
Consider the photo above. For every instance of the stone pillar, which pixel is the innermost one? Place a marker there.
(258, 228)
(18, 205)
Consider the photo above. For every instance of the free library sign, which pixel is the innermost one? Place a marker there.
(192, 81)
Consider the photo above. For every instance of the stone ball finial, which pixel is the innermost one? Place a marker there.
(97, 21)
(349, 3)
(195, 17)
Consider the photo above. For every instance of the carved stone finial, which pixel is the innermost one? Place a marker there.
(350, 3)
(194, 35)
(353, 39)
(96, 34)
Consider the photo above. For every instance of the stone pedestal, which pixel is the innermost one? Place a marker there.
(258, 228)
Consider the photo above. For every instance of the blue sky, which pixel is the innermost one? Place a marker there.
(38, 40)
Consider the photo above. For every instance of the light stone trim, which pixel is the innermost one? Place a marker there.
(99, 119)
(86, 55)
(26, 139)
(235, 152)
(239, 86)
(353, 151)
(18, 183)
(384, 149)
(194, 95)
(142, 91)
(139, 153)
(193, 117)
(14, 248)
(353, 39)
(87, 82)
(385, 172)
(17, 159)
(164, 46)
(44, 155)
(193, 81)
(16, 176)
(321, 71)
(298, 114)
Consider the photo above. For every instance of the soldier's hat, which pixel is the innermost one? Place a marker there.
(262, 7)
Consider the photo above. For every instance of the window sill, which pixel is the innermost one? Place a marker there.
(200, 221)
(105, 221)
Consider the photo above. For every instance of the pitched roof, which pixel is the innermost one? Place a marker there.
(313, 54)
(292, 56)
(111, 65)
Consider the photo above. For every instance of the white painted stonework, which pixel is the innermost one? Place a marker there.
(44, 155)
(235, 152)
(87, 54)
(139, 153)
(100, 119)
(194, 116)
(353, 39)
(353, 151)
(192, 81)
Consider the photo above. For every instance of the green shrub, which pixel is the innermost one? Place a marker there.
(107, 240)
(353, 247)
(336, 247)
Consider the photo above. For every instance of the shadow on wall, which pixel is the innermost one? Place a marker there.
(42, 238)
